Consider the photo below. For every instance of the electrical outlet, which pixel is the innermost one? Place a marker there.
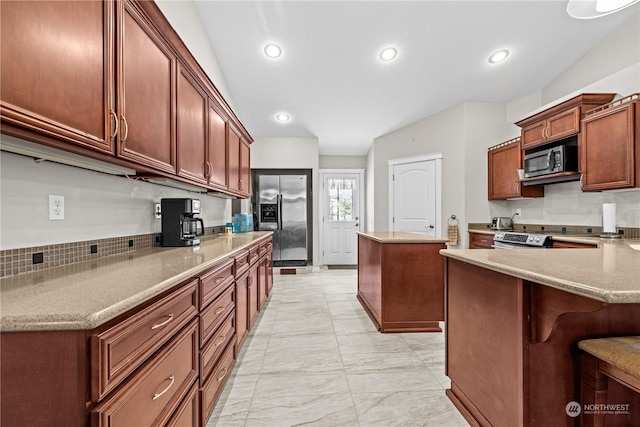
(519, 212)
(56, 208)
(157, 211)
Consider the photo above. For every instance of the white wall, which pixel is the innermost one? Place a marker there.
(292, 153)
(97, 205)
(185, 20)
(343, 162)
(612, 67)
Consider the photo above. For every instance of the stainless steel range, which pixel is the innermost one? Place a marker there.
(514, 240)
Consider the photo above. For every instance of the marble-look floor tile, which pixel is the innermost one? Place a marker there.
(407, 379)
(354, 325)
(372, 342)
(302, 359)
(328, 410)
(232, 413)
(348, 309)
(415, 408)
(380, 362)
(310, 341)
(300, 383)
(307, 326)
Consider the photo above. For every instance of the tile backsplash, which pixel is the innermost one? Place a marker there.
(25, 260)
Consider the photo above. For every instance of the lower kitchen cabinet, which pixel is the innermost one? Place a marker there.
(164, 362)
(480, 240)
(153, 393)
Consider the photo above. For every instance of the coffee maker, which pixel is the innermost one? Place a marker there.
(179, 223)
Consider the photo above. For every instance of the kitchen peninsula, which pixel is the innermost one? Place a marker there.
(142, 338)
(401, 280)
(513, 322)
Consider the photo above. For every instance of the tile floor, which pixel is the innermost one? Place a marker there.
(313, 357)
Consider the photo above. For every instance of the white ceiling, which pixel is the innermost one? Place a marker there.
(331, 83)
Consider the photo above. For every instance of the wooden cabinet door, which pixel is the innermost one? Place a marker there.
(262, 282)
(146, 81)
(245, 168)
(503, 163)
(217, 147)
(191, 122)
(564, 124)
(233, 165)
(253, 290)
(534, 134)
(55, 71)
(607, 149)
(241, 310)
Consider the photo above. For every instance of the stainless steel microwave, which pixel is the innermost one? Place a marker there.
(561, 158)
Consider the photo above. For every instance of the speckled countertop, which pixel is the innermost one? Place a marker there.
(85, 295)
(609, 272)
(401, 237)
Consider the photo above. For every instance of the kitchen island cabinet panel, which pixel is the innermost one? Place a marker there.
(511, 345)
(401, 284)
(55, 89)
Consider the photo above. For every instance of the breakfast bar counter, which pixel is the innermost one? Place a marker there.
(514, 318)
(401, 280)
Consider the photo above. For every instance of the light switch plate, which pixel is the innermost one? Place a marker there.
(56, 207)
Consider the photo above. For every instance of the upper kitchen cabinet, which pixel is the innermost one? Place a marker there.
(192, 105)
(56, 72)
(560, 121)
(146, 80)
(217, 147)
(609, 147)
(238, 164)
(504, 160)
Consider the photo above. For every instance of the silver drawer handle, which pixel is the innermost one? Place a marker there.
(219, 280)
(219, 310)
(224, 375)
(161, 324)
(157, 395)
(224, 337)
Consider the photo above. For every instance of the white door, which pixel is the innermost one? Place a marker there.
(414, 197)
(341, 218)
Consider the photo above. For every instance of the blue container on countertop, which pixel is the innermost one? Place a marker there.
(242, 223)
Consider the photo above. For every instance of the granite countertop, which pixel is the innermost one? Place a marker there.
(621, 352)
(608, 273)
(401, 237)
(85, 295)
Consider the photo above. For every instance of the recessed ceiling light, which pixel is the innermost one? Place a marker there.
(272, 50)
(498, 56)
(589, 9)
(388, 54)
(282, 117)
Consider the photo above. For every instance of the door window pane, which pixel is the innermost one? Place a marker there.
(341, 198)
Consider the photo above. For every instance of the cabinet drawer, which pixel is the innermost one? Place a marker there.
(254, 254)
(266, 247)
(480, 241)
(242, 262)
(215, 314)
(210, 354)
(210, 392)
(215, 281)
(151, 395)
(119, 350)
(188, 412)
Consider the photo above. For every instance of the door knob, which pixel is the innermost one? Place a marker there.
(357, 224)
(431, 226)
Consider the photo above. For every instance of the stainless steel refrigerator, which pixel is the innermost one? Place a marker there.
(282, 208)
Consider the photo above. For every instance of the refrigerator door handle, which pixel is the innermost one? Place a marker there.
(279, 211)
